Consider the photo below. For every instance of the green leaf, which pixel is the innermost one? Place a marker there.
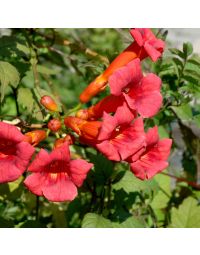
(46, 70)
(196, 120)
(187, 49)
(161, 199)
(194, 61)
(177, 52)
(131, 184)
(14, 185)
(93, 220)
(184, 112)
(103, 167)
(130, 222)
(25, 98)
(163, 133)
(8, 76)
(187, 215)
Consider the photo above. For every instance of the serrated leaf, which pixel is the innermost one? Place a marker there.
(187, 215)
(8, 76)
(131, 184)
(130, 222)
(93, 220)
(184, 112)
(161, 199)
(25, 98)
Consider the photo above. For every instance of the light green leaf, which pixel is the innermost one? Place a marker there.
(184, 112)
(46, 70)
(14, 185)
(196, 120)
(131, 222)
(187, 215)
(131, 184)
(161, 199)
(93, 220)
(8, 76)
(25, 98)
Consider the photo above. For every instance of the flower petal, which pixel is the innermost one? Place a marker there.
(145, 169)
(109, 150)
(59, 189)
(79, 169)
(108, 125)
(35, 183)
(122, 77)
(146, 97)
(152, 136)
(23, 155)
(8, 170)
(124, 115)
(40, 162)
(10, 132)
(137, 36)
(153, 53)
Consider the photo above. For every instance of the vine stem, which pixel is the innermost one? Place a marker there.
(180, 179)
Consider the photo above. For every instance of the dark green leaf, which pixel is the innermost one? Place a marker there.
(187, 49)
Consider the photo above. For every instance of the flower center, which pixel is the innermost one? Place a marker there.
(58, 166)
(7, 148)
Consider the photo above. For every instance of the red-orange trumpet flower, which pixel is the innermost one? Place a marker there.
(145, 44)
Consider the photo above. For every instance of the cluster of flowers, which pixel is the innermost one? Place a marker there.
(114, 126)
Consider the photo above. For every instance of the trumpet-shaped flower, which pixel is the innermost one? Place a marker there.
(15, 154)
(118, 137)
(145, 38)
(55, 176)
(151, 159)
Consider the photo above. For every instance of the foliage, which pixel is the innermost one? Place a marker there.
(60, 63)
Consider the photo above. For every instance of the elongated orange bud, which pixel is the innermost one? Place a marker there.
(99, 84)
(90, 129)
(49, 103)
(85, 129)
(74, 123)
(54, 125)
(145, 44)
(36, 136)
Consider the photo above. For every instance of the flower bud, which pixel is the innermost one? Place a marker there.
(49, 103)
(82, 114)
(68, 138)
(34, 137)
(74, 123)
(54, 125)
